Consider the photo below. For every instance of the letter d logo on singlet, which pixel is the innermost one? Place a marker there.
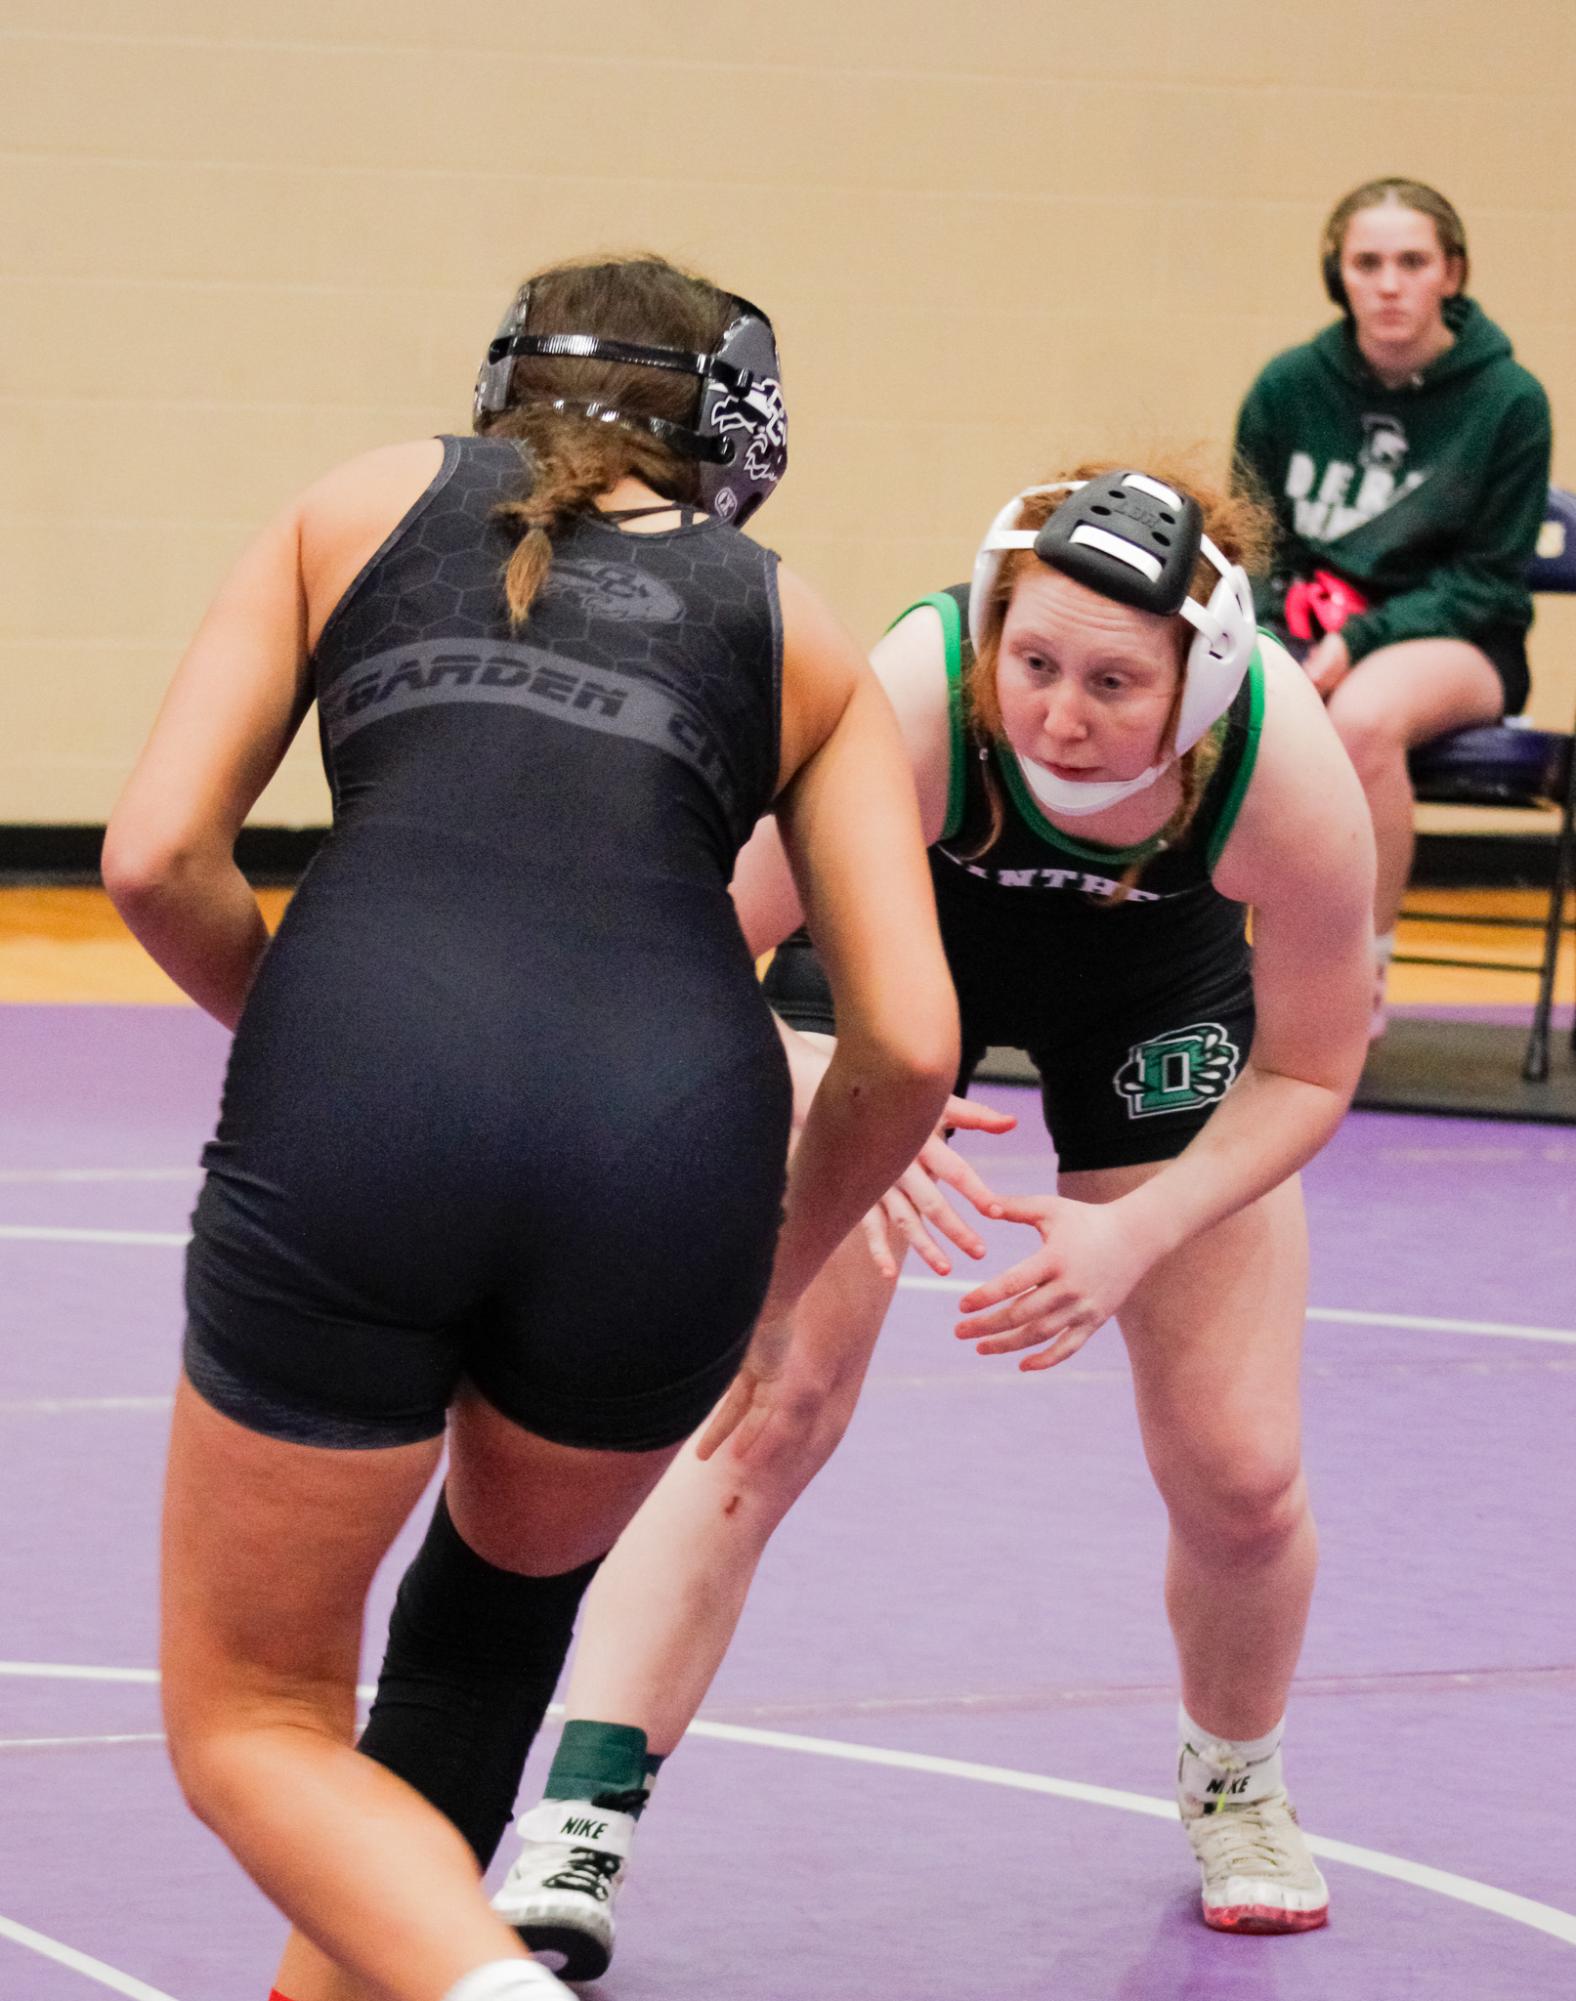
(1179, 1071)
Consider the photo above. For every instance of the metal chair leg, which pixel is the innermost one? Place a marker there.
(1535, 1065)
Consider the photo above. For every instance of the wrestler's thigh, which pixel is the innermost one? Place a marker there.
(1214, 1330)
(269, 1548)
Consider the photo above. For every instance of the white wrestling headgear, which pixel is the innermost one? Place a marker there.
(1137, 541)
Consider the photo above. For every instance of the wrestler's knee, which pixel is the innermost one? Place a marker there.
(813, 1409)
(1373, 732)
(1246, 1503)
(222, 1744)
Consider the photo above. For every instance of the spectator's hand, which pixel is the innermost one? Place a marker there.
(1328, 665)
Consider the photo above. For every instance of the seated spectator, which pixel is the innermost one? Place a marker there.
(1406, 455)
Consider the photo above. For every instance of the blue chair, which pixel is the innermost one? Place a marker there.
(1511, 764)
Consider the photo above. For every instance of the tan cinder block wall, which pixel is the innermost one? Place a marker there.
(243, 241)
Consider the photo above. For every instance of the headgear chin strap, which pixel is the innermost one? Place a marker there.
(740, 434)
(1137, 541)
(1076, 796)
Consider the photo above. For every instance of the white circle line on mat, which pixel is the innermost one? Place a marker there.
(81, 1962)
(70, 1406)
(67, 1671)
(1419, 1875)
(40, 1233)
(78, 1743)
(1339, 1316)
(35, 1176)
(1462, 1889)
(1509, 1330)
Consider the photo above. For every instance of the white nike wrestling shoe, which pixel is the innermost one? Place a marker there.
(559, 1895)
(1258, 1874)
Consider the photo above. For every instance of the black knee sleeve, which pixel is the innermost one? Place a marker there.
(474, 1654)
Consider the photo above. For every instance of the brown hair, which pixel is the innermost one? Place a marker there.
(574, 456)
(1394, 191)
(1239, 525)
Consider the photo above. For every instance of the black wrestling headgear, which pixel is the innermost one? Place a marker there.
(740, 435)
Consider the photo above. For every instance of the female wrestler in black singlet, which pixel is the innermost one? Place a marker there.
(1093, 886)
(556, 689)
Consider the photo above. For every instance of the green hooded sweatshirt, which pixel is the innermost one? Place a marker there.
(1427, 498)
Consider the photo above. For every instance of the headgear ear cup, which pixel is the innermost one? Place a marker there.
(493, 378)
(1222, 647)
(742, 408)
(1003, 534)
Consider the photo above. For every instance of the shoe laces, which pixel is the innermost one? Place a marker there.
(589, 1870)
(1250, 1840)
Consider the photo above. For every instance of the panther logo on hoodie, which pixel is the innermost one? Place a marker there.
(1384, 443)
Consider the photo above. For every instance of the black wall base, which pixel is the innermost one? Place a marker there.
(269, 856)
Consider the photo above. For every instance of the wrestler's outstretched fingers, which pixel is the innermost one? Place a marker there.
(1025, 1321)
(878, 1242)
(912, 1209)
(1089, 1253)
(968, 1114)
(1071, 1338)
(1058, 1323)
(1005, 1292)
(924, 1191)
(944, 1165)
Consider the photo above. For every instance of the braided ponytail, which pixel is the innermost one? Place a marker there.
(573, 459)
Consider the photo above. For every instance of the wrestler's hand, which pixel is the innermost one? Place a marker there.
(750, 1400)
(1328, 664)
(1090, 1260)
(914, 1210)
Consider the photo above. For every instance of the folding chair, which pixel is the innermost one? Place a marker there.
(1511, 764)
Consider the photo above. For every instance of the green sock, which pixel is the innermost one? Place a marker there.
(606, 1763)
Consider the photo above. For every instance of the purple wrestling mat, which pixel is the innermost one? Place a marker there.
(938, 1762)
